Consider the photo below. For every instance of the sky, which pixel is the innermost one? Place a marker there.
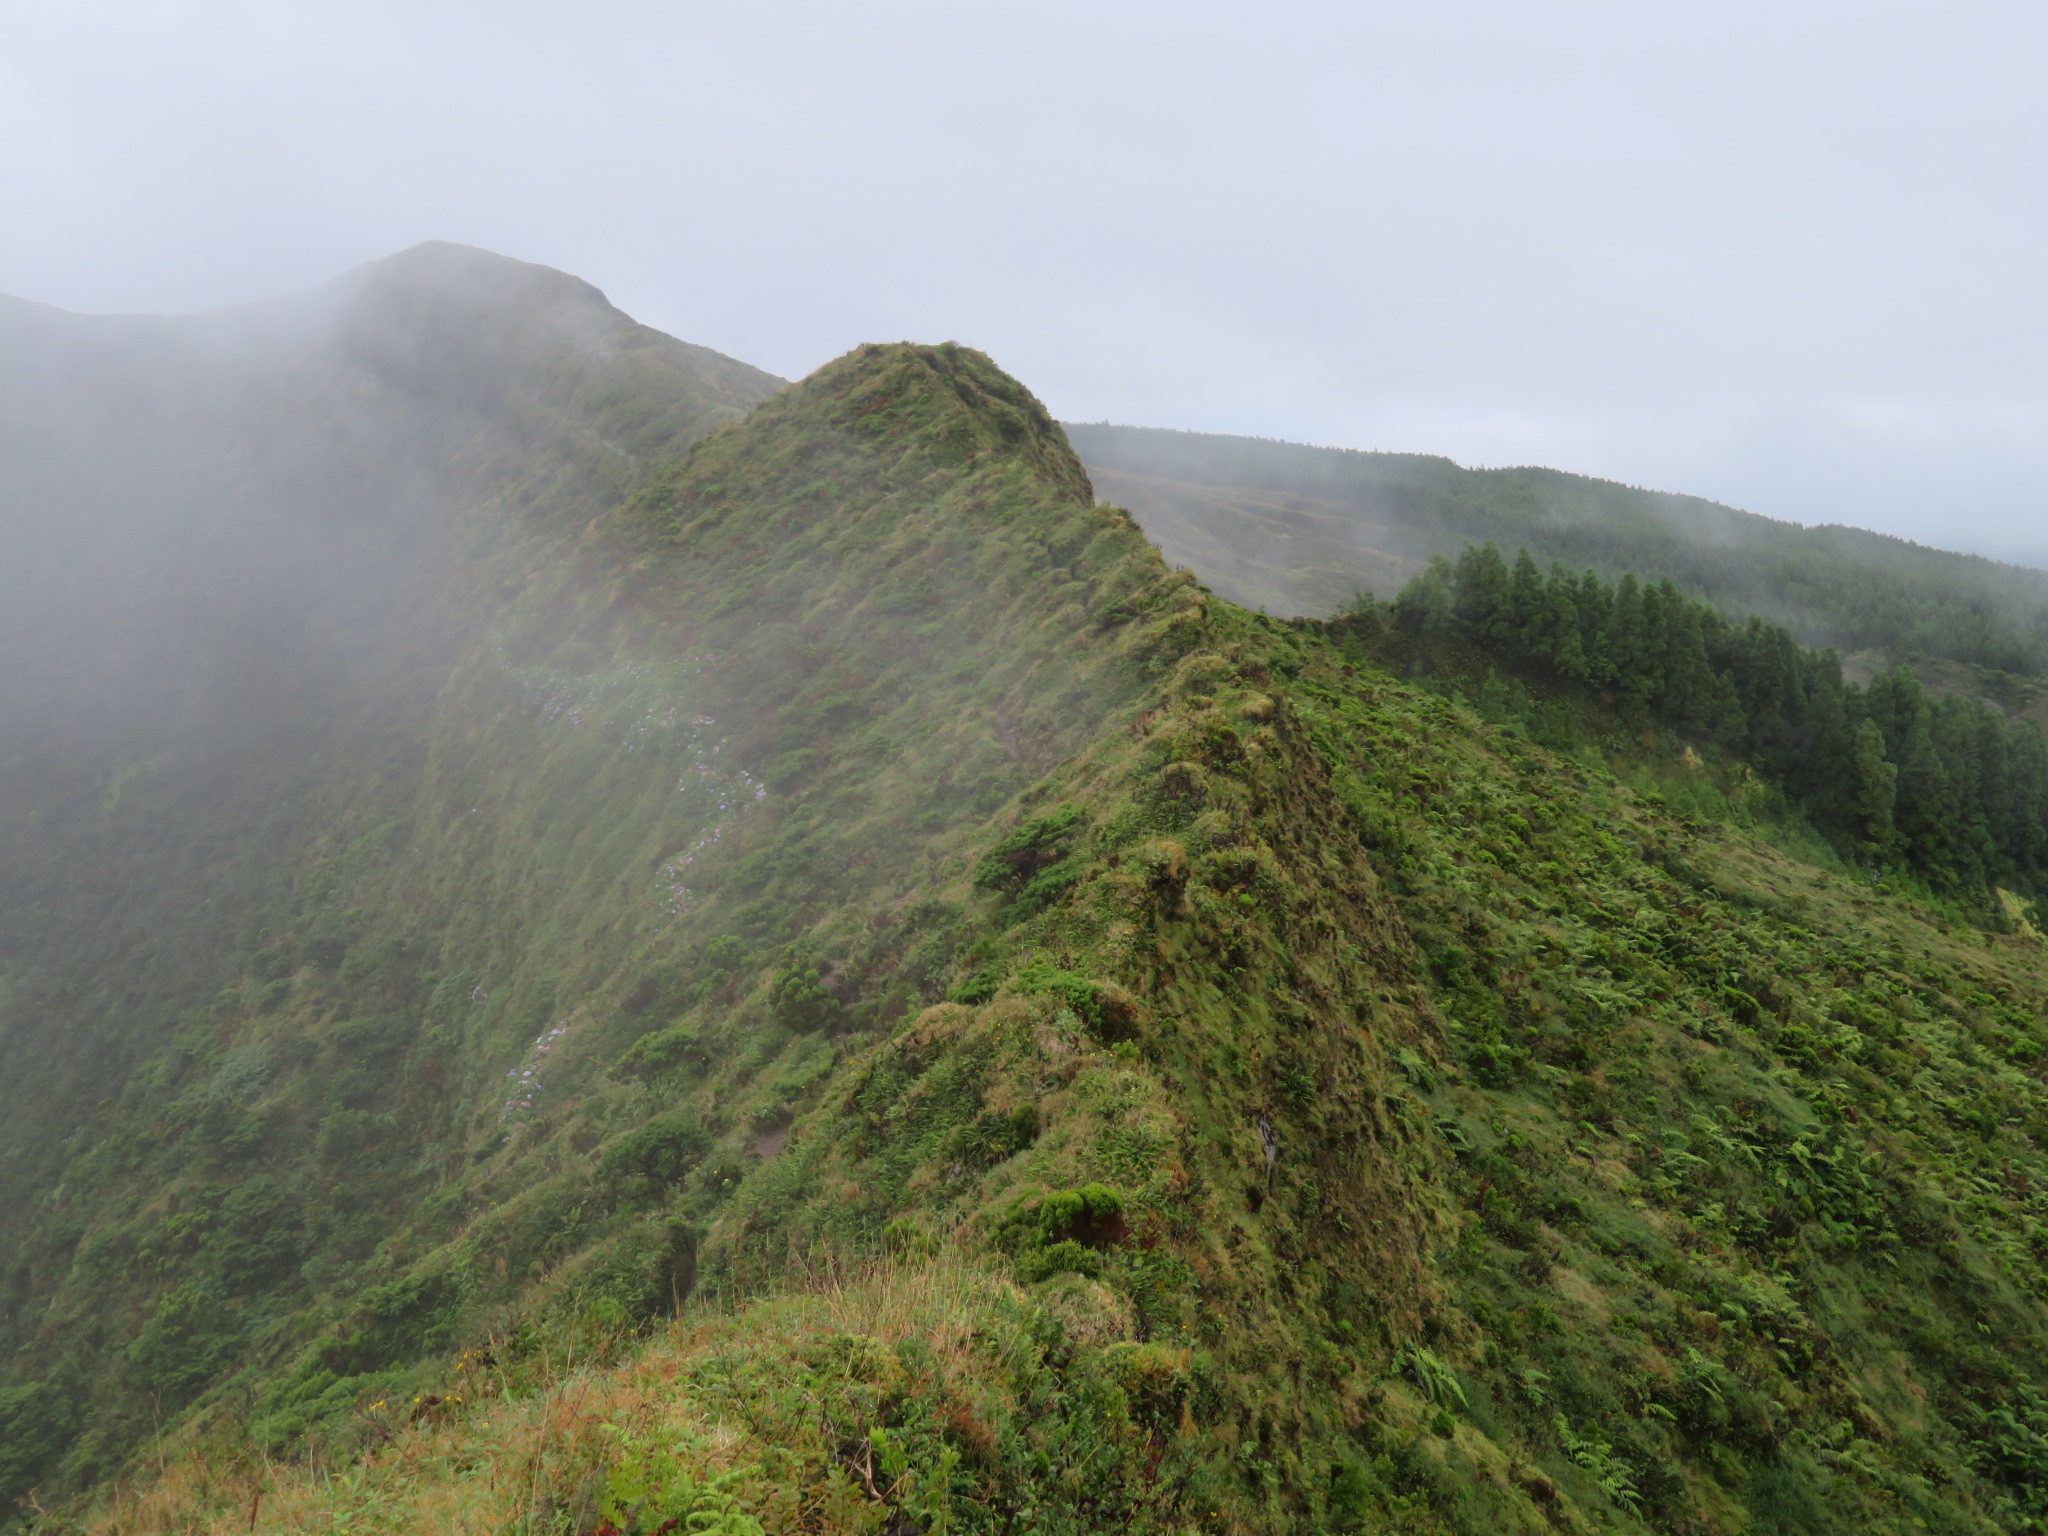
(1786, 255)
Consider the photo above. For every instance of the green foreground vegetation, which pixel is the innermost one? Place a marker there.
(883, 1007)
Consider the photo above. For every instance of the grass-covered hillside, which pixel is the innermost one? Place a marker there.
(878, 1005)
(1297, 530)
(241, 552)
(676, 749)
(1346, 1115)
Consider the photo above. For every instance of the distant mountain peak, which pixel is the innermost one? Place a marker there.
(471, 278)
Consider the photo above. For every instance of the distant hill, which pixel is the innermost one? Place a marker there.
(1296, 530)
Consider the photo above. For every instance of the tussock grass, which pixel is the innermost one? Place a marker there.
(723, 1393)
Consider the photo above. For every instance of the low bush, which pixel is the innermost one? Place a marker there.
(661, 1153)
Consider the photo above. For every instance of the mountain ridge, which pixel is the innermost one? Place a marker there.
(825, 986)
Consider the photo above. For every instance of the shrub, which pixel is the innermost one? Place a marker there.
(1065, 1257)
(1155, 1377)
(1033, 865)
(184, 1344)
(325, 940)
(241, 1072)
(648, 1271)
(373, 1041)
(37, 1425)
(800, 1001)
(1091, 1216)
(1077, 992)
(980, 987)
(991, 1138)
(905, 1237)
(258, 1240)
(1354, 1492)
(394, 1321)
(343, 1135)
(227, 1130)
(661, 1152)
(661, 1052)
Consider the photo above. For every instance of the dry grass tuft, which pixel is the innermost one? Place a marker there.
(704, 1392)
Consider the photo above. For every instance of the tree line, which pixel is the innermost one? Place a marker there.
(1945, 787)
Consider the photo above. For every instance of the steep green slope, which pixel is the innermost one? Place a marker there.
(1423, 1133)
(868, 1003)
(748, 701)
(1294, 529)
(240, 556)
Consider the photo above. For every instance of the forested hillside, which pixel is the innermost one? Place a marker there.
(1892, 778)
(820, 985)
(1296, 530)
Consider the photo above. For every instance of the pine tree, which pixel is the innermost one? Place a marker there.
(1596, 611)
(1874, 795)
(1689, 689)
(2025, 837)
(1820, 771)
(1560, 644)
(1426, 603)
(1894, 698)
(1481, 582)
(1927, 812)
(1966, 829)
(1768, 663)
(1626, 641)
(1525, 602)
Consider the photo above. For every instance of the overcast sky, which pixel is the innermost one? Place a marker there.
(1788, 255)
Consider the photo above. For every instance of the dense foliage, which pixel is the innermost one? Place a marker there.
(632, 803)
(1742, 1153)
(1945, 788)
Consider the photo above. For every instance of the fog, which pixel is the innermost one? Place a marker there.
(243, 552)
(1781, 257)
(213, 521)
(279, 489)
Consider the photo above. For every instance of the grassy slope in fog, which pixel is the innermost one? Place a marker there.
(241, 554)
(240, 547)
(1294, 529)
(1102, 1059)
(773, 709)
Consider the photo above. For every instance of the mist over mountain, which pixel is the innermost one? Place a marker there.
(594, 942)
(241, 555)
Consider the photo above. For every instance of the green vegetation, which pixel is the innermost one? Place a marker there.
(1893, 779)
(878, 1006)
